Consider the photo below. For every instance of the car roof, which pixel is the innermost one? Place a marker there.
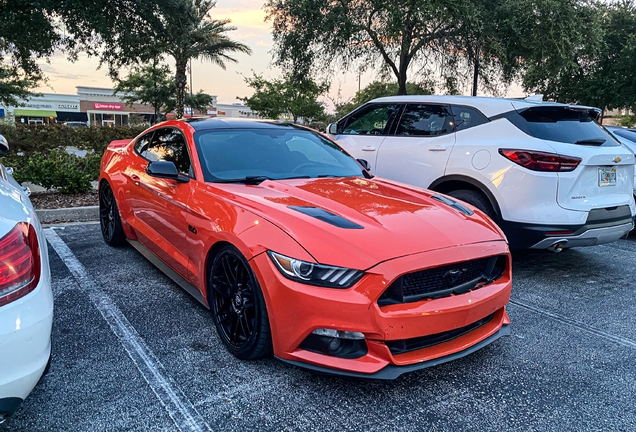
(489, 106)
(238, 123)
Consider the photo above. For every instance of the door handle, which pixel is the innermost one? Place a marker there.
(135, 178)
(368, 148)
(437, 149)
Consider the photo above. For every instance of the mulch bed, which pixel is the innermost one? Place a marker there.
(55, 200)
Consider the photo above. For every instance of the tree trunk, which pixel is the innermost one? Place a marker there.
(402, 81)
(181, 81)
(475, 71)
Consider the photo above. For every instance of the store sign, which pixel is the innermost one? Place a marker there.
(212, 112)
(46, 106)
(67, 107)
(108, 106)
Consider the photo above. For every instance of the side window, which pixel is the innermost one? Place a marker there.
(372, 120)
(142, 143)
(169, 145)
(467, 117)
(425, 120)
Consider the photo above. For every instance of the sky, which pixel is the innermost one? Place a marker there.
(252, 30)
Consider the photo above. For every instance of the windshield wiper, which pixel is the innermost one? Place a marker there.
(246, 180)
(592, 141)
(255, 179)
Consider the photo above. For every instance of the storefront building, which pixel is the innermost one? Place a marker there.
(48, 108)
(103, 108)
(235, 110)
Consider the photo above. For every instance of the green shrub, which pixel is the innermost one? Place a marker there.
(37, 154)
(59, 170)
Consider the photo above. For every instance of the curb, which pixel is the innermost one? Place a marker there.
(74, 214)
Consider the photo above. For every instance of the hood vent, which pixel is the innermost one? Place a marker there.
(454, 204)
(325, 216)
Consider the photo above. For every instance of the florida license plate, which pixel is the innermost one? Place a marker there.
(607, 177)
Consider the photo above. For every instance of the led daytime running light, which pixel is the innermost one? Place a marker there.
(315, 274)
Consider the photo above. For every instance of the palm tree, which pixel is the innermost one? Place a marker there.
(189, 32)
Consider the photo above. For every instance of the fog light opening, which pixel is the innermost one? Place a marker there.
(337, 343)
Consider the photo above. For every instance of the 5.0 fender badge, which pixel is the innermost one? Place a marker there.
(617, 159)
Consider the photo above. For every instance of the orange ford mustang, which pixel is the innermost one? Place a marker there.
(297, 250)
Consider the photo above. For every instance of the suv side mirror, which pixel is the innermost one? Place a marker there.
(4, 145)
(332, 129)
(165, 169)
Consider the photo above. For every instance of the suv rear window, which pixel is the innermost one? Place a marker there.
(562, 124)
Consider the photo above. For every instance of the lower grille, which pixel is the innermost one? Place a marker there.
(457, 278)
(406, 345)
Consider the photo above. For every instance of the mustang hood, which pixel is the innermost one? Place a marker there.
(357, 223)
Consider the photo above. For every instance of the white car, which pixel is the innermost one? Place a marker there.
(26, 300)
(547, 173)
(627, 136)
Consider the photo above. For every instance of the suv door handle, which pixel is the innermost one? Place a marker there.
(368, 148)
(436, 149)
(135, 178)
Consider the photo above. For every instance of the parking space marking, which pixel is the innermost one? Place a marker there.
(180, 409)
(583, 327)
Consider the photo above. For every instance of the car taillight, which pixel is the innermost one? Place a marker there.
(19, 263)
(540, 161)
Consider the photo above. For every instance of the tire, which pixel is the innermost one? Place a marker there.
(238, 307)
(476, 199)
(109, 219)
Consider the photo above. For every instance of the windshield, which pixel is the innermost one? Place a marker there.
(270, 153)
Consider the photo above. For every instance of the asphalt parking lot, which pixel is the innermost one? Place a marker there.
(133, 352)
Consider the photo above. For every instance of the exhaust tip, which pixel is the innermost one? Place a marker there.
(558, 246)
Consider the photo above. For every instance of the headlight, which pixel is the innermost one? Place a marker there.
(315, 274)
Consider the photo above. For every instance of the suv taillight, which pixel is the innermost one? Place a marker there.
(540, 161)
(19, 263)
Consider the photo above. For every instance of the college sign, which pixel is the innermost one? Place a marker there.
(108, 106)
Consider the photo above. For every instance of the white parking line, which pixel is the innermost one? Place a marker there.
(180, 409)
(584, 327)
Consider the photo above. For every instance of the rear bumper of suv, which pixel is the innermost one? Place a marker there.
(602, 226)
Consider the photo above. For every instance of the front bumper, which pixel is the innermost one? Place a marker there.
(25, 344)
(391, 372)
(295, 310)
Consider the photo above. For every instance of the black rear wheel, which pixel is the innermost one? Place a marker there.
(238, 306)
(109, 220)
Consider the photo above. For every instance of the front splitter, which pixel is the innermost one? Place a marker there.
(391, 372)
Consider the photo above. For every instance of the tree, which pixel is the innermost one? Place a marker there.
(600, 71)
(378, 89)
(291, 95)
(151, 85)
(187, 32)
(453, 40)
(199, 101)
(310, 34)
(154, 86)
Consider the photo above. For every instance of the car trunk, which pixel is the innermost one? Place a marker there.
(605, 175)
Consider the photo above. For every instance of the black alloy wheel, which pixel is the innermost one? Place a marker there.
(238, 306)
(109, 219)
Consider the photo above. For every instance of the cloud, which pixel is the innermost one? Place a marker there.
(262, 43)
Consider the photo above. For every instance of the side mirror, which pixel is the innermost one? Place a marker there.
(165, 169)
(4, 146)
(365, 164)
(332, 129)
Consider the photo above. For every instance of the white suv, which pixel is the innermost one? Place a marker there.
(547, 173)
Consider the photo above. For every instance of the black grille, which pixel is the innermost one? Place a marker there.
(406, 345)
(444, 281)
